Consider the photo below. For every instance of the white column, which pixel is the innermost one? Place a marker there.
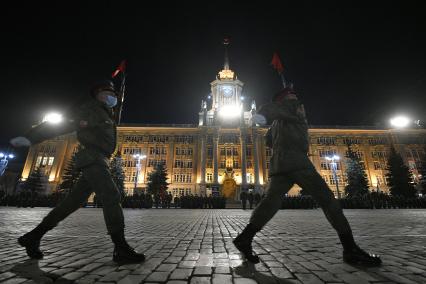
(203, 159)
(256, 158)
(215, 157)
(243, 158)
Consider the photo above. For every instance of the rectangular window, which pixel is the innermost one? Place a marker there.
(377, 166)
(50, 161)
(209, 152)
(209, 164)
(268, 151)
(236, 165)
(250, 164)
(38, 161)
(223, 164)
(248, 151)
(209, 177)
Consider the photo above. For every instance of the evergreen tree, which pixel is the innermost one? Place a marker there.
(157, 180)
(70, 174)
(422, 171)
(36, 181)
(117, 173)
(399, 176)
(357, 178)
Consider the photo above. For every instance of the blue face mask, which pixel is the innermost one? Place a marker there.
(111, 101)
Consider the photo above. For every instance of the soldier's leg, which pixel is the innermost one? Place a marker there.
(313, 183)
(278, 186)
(78, 195)
(268, 206)
(101, 181)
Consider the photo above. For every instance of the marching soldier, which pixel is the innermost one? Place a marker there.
(96, 132)
(290, 164)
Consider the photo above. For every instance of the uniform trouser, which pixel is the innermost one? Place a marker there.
(95, 178)
(309, 180)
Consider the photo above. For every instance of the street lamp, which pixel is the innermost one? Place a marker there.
(53, 117)
(333, 164)
(138, 158)
(400, 121)
(4, 161)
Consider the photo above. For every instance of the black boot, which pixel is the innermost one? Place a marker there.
(243, 243)
(123, 253)
(358, 256)
(353, 254)
(31, 241)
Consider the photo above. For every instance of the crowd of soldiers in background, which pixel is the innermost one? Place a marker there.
(144, 200)
(252, 198)
(372, 200)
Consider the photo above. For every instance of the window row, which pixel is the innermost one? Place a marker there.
(180, 191)
(229, 164)
(47, 148)
(185, 164)
(229, 151)
(44, 161)
(157, 150)
(131, 151)
(183, 178)
(155, 162)
(186, 151)
(329, 166)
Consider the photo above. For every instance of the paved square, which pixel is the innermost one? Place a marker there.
(195, 246)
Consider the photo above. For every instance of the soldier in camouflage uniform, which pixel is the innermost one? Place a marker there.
(288, 137)
(96, 132)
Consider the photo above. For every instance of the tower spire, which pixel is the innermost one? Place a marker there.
(226, 43)
(226, 73)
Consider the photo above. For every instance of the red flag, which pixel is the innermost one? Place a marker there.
(276, 63)
(120, 68)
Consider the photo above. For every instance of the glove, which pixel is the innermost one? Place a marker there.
(20, 141)
(258, 119)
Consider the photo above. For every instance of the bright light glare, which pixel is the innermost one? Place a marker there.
(229, 111)
(53, 117)
(400, 121)
(139, 156)
(1, 155)
(11, 156)
(335, 157)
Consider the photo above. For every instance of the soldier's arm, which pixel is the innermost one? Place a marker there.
(273, 111)
(46, 131)
(77, 119)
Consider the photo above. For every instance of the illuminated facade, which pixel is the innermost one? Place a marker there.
(201, 158)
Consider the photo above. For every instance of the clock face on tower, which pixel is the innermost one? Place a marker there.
(227, 91)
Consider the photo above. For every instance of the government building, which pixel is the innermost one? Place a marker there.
(223, 153)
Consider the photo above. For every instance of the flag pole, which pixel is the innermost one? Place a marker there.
(121, 70)
(283, 80)
(121, 99)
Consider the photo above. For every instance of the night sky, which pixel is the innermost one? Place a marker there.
(356, 63)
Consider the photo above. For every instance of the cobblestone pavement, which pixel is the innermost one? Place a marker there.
(195, 246)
